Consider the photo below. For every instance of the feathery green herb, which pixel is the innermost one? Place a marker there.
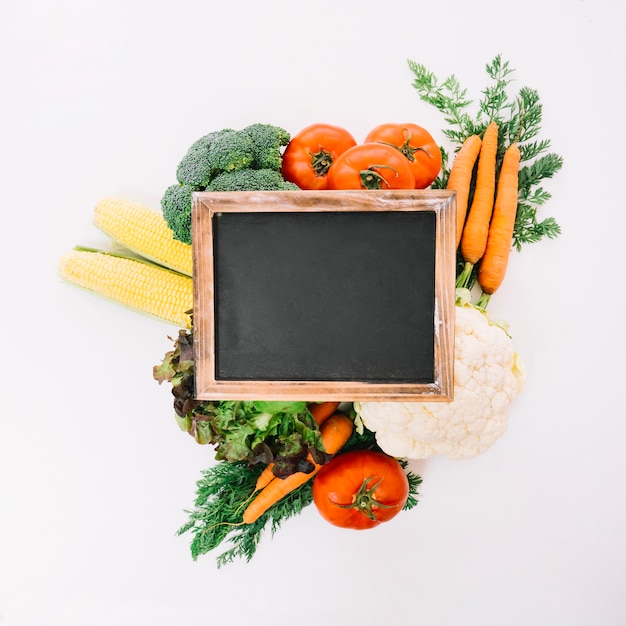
(519, 119)
(414, 483)
(221, 497)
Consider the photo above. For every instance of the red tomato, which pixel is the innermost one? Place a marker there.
(311, 152)
(360, 489)
(371, 166)
(416, 144)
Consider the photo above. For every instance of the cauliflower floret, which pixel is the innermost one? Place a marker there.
(488, 374)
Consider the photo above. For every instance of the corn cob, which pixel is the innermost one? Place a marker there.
(138, 284)
(142, 231)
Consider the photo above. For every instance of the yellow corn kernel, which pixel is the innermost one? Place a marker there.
(143, 231)
(140, 285)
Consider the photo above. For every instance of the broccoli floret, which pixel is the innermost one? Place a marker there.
(257, 146)
(250, 180)
(225, 160)
(195, 168)
(176, 205)
(204, 143)
(230, 150)
(267, 140)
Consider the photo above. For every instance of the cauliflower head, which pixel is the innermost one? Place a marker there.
(488, 374)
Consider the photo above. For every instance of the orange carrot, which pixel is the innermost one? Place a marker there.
(474, 238)
(499, 241)
(320, 411)
(460, 179)
(336, 431)
(265, 477)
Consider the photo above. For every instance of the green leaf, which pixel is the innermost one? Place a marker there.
(265, 423)
(265, 406)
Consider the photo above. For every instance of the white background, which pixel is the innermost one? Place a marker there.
(103, 98)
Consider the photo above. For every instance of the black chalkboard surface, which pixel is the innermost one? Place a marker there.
(323, 295)
(291, 302)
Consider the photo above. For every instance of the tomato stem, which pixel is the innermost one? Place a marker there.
(407, 149)
(364, 501)
(321, 162)
(372, 179)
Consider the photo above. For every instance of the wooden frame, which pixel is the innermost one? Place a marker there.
(209, 206)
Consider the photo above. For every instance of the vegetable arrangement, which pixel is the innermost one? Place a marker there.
(497, 204)
(273, 449)
(274, 458)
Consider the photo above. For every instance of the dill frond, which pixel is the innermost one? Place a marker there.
(244, 540)
(414, 483)
(222, 494)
